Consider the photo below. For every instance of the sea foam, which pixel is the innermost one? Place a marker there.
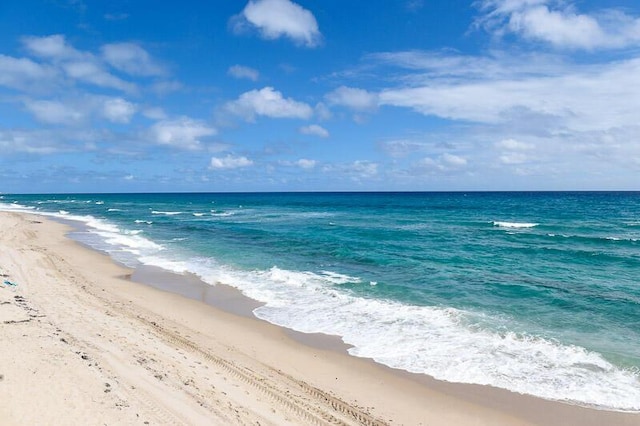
(446, 343)
(514, 224)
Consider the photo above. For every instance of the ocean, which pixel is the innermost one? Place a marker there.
(535, 292)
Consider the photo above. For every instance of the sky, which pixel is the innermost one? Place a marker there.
(319, 95)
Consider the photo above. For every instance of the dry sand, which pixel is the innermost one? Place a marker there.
(83, 343)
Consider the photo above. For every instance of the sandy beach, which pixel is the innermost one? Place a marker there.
(86, 341)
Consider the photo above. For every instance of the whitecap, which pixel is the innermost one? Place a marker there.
(165, 213)
(514, 224)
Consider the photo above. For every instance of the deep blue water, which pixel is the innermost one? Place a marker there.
(534, 292)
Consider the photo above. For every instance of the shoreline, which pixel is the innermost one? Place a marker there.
(211, 323)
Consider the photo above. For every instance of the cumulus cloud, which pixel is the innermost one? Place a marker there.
(239, 71)
(304, 163)
(118, 110)
(230, 162)
(357, 99)
(315, 130)
(269, 103)
(131, 59)
(558, 23)
(183, 133)
(279, 18)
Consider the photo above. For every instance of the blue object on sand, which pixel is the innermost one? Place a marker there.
(7, 282)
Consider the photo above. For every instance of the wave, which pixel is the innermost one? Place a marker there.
(113, 210)
(421, 339)
(221, 214)
(16, 207)
(124, 245)
(198, 214)
(148, 222)
(166, 213)
(596, 238)
(514, 224)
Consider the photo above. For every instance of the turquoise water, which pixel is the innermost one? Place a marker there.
(538, 293)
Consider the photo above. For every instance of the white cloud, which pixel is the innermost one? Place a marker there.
(80, 66)
(269, 103)
(302, 163)
(306, 164)
(280, 18)
(446, 162)
(357, 99)
(513, 145)
(51, 47)
(557, 23)
(154, 113)
(400, 148)
(230, 162)
(24, 74)
(514, 151)
(165, 87)
(315, 130)
(28, 142)
(91, 72)
(75, 110)
(48, 141)
(453, 160)
(357, 170)
(590, 97)
(363, 169)
(514, 158)
(53, 112)
(239, 71)
(118, 110)
(131, 59)
(183, 133)
(322, 111)
(447, 64)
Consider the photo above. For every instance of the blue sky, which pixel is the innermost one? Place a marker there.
(280, 95)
